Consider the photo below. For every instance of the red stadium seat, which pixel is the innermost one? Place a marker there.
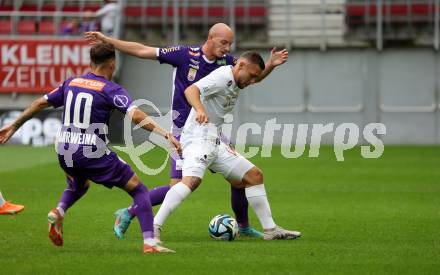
(217, 11)
(47, 27)
(6, 8)
(48, 8)
(92, 8)
(5, 27)
(71, 9)
(29, 8)
(26, 27)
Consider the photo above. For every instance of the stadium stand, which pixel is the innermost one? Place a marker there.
(307, 22)
(402, 20)
(299, 23)
(137, 13)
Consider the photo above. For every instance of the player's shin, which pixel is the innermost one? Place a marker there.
(257, 198)
(173, 199)
(143, 210)
(71, 194)
(157, 195)
(240, 206)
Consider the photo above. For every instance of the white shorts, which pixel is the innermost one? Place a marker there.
(200, 154)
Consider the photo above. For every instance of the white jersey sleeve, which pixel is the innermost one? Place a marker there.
(215, 82)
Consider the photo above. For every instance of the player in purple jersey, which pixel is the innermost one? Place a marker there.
(190, 63)
(83, 154)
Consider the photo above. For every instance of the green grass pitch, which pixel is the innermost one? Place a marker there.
(361, 216)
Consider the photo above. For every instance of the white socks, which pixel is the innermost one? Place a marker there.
(256, 196)
(150, 241)
(2, 200)
(61, 211)
(173, 198)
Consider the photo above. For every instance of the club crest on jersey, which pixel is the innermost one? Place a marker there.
(221, 62)
(120, 101)
(192, 74)
(193, 53)
(195, 67)
(196, 62)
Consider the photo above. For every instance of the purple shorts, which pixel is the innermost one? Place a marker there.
(107, 170)
(176, 172)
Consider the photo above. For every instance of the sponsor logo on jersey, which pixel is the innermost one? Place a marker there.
(194, 49)
(229, 83)
(221, 62)
(87, 84)
(169, 49)
(120, 101)
(192, 74)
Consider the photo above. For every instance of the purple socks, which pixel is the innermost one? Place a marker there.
(157, 196)
(240, 206)
(239, 203)
(142, 208)
(73, 192)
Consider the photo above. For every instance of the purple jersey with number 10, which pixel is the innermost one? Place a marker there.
(190, 65)
(88, 102)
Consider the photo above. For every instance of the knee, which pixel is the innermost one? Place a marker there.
(254, 177)
(132, 183)
(135, 179)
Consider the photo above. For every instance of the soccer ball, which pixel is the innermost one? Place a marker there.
(223, 227)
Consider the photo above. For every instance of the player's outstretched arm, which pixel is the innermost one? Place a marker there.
(35, 107)
(192, 94)
(143, 120)
(131, 48)
(276, 58)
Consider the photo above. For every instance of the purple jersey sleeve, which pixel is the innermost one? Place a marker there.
(173, 55)
(119, 99)
(56, 97)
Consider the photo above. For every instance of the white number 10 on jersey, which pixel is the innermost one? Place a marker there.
(88, 98)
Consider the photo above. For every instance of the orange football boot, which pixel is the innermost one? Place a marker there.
(55, 227)
(10, 209)
(157, 249)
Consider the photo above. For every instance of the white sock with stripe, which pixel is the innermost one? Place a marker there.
(256, 196)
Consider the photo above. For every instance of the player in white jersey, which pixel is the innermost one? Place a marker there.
(211, 98)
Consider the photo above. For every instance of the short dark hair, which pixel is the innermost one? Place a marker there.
(102, 52)
(255, 58)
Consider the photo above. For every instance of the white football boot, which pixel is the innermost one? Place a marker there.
(279, 233)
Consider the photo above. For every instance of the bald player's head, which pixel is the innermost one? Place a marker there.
(220, 39)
